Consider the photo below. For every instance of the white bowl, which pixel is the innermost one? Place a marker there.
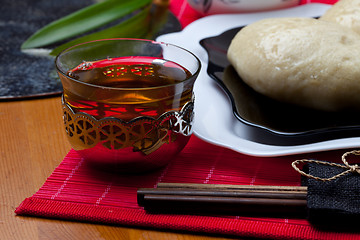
(208, 7)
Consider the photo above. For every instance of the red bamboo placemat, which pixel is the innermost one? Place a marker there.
(75, 191)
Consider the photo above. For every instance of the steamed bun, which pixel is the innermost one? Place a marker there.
(302, 61)
(345, 13)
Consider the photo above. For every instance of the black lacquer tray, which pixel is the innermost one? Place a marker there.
(270, 121)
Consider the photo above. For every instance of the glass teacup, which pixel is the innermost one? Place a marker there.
(128, 103)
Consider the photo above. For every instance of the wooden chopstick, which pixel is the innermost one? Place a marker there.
(221, 205)
(207, 192)
(231, 187)
(224, 199)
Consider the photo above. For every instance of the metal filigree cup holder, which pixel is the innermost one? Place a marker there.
(143, 142)
(112, 132)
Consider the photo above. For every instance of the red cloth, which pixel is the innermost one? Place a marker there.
(183, 11)
(77, 192)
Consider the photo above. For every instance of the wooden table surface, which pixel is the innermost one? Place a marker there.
(32, 145)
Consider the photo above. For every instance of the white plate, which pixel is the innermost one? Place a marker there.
(214, 119)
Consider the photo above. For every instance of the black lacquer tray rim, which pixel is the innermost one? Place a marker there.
(297, 137)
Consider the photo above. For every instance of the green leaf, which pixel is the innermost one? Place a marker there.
(134, 27)
(81, 21)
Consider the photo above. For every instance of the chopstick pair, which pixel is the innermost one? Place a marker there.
(224, 199)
